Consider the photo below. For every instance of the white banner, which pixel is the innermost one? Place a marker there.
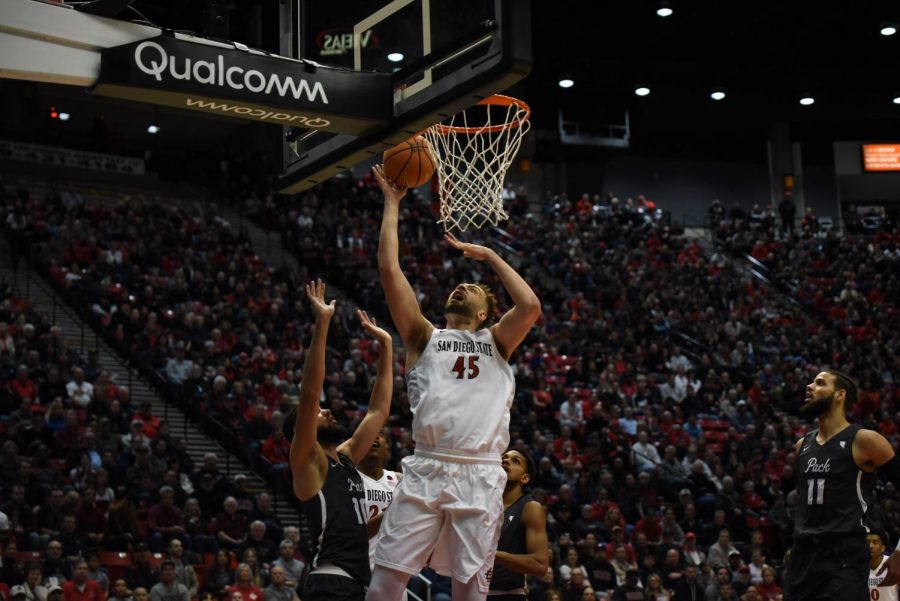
(66, 157)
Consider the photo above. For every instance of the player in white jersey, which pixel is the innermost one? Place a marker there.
(379, 483)
(877, 544)
(448, 508)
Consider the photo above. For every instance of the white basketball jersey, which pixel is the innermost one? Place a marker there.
(880, 593)
(460, 391)
(379, 494)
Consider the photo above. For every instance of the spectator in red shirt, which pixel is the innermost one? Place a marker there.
(618, 540)
(80, 588)
(90, 520)
(23, 387)
(768, 588)
(230, 526)
(268, 392)
(651, 527)
(243, 585)
(602, 504)
(150, 422)
(165, 521)
(276, 449)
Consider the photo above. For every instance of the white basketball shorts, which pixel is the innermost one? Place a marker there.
(449, 507)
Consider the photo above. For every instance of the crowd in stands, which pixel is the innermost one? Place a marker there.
(658, 395)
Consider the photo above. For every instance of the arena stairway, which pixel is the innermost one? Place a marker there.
(82, 338)
(266, 243)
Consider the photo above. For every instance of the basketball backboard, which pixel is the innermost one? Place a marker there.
(443, 56)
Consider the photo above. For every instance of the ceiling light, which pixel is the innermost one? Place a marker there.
(152, 129)
(566, 82)
(807, 100)
(888, 29)
(896, 100)
(64, 116)
(664, 10)
(395, 57)
(642, 91)
(717, 95)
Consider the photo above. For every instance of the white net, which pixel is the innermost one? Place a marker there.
(472, 160)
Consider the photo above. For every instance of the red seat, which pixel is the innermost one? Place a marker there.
(115, 563)
(26, 557)
(156, 559)
(200, 570)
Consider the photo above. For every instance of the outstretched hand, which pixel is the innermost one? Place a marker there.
(315, 292)
(892, 566)
(471, 251)
(392, 192)
(381, 336)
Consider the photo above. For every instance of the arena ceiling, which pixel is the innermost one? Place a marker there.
(764, 56)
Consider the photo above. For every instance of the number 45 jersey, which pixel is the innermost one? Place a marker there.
(833, 493)
(460, 391)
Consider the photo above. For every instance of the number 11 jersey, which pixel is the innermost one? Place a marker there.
(833, 493)
(460, 391)
(337, 521)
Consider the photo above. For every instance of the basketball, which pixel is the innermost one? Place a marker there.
(411, 163)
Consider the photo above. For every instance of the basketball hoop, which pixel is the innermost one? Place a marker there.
(472, 160)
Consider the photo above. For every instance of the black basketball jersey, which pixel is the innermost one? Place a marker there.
(833, 494)
(512, 540)
(337, 521)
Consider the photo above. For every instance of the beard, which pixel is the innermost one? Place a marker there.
(459, 308)
(815, 409)
(335, 434)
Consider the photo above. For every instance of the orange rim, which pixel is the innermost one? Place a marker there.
(495, 100)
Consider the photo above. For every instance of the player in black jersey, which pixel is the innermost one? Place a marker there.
(835, 480)
(523, 540)
(324, 471)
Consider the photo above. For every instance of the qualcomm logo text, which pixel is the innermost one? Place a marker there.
(314, 122)
(152, 59)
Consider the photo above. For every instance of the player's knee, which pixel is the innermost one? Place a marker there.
(468, 591)
(387, 584)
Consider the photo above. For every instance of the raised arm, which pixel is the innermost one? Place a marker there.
(309, 465)
(512, 328)
(535, 561)
(414, 329)
(380, 399)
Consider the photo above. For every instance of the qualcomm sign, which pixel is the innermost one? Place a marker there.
(237, 83)
(152, 59)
